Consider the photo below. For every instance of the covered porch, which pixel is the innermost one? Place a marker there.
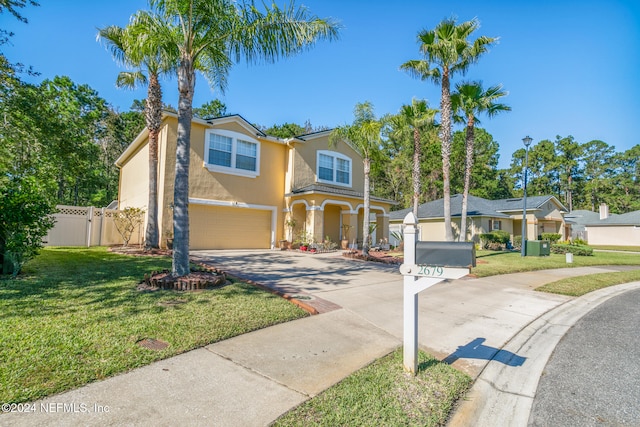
(321, 215)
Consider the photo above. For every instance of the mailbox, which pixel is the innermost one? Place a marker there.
(446, 254)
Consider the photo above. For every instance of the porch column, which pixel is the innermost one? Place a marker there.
(382, 227)
(288, 230)
(315, 223)
(350, 218)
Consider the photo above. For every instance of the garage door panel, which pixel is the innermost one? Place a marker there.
(217, 227)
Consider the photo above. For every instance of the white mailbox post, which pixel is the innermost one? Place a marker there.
(417, 278)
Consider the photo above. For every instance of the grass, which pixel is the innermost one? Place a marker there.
(578, 286)
(491, 263)
(383, 394)
(74, 316)
(618, 248)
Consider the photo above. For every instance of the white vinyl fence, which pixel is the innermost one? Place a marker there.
(86, 226)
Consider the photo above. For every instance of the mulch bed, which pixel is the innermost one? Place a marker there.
(194, 281)
(374, 256)
(137, 250)
(201, 277)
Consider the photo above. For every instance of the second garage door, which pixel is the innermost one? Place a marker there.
(217, 227)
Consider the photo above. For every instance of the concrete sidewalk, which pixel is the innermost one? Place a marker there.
(251, 379)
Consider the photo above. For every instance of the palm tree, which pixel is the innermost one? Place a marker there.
(416, 118)
(136, 47)
(363, 135)
(447, 51)
(471, 100)
(208, 36)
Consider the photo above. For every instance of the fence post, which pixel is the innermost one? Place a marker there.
(103, 221)
(89, 222)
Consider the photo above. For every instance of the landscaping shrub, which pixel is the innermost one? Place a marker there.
(551, 237)
(496, 240)
(517, 242)
(577, 250)
(24, 221)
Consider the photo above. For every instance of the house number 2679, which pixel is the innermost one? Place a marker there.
(431, 271)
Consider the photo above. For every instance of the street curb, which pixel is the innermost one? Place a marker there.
(506, 393)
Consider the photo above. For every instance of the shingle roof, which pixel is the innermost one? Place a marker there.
(582, 217)
(319, 188)
(630, 218)
(476, 206)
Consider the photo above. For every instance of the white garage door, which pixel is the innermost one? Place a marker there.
(217, 227)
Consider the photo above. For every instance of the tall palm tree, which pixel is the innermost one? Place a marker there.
(363, 135)
(447, 51)
(208, 36)
(136, 47)
(471, 100)
(416, 118)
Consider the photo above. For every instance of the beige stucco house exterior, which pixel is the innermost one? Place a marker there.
(544, 214)
(246, 189)
(605, 229)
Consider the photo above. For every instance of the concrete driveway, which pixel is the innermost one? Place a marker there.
(464, 321)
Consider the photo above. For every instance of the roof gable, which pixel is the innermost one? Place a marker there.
(239, 120)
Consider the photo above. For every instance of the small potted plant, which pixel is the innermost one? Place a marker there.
(345, 236)
(305, 239)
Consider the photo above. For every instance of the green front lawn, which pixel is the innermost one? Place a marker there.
(74, 316)
(491, 263)
(578, 286)
(382, 394)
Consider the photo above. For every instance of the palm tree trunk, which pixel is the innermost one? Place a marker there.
(367, 203)
(186, 84)
(445, 136)
(153, 115)
(468, 165)
(416, 171)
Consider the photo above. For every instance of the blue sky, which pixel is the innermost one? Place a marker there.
(570, 67)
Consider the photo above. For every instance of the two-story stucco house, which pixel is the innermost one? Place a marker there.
(245, 187)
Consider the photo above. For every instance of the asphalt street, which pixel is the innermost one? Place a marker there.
(593, 376)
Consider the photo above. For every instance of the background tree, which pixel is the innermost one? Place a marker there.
(364, 134)
(471, 100)
(12, 6)
(208, 35)
(286, 130)
(414, 120)
(627, 193)
(119, 130)
(599, 168)
(25, 192)
(447, 51)
(211, 109)
(138, 46)
(568, 155)
(484, 173)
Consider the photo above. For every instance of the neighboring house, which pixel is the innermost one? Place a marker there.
(545, 214)
(247, 188)
(613, 230)
(578, 220)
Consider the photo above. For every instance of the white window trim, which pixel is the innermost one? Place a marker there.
(335, 155)
(235, 136)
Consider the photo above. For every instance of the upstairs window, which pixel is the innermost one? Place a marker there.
(232, 153)
(334, 168)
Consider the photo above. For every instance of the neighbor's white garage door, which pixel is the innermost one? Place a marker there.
(217, 227)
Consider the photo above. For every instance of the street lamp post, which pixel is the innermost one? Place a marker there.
(527, 141)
